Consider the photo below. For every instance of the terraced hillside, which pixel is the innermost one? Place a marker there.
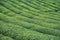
(29, 19)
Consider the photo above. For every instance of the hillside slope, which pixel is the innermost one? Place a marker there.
(30, 19)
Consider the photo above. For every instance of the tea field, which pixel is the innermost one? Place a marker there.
(29, 19)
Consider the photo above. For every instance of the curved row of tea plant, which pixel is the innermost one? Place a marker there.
(2, 37)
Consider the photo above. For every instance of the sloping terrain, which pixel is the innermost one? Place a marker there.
(30, 20)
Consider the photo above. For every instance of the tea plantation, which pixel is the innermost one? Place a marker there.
(29, 19)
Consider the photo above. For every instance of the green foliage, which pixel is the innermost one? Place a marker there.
(2, 37)
(30, 19)
(20, 33)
